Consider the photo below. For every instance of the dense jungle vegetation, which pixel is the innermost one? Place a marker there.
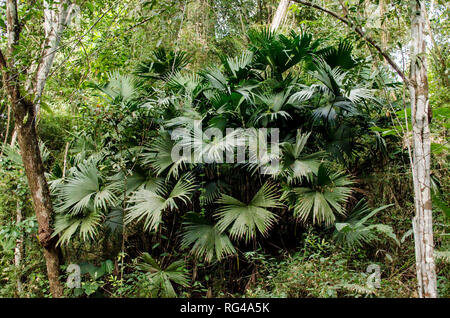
(139, 223)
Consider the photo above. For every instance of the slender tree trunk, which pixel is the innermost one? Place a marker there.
(13, 138)
(420, 116)
(24, 112)
(280, 15)
(18, 250)
(384, 34)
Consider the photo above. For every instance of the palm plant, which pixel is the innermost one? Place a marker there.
(86, 224)
(187, 88)
(240, 68)
(206, 239)
(295, 164)
(264, 155)
(149, 204)
(358, 229)
(84, 197)
(340, 56)
(159, 156)
(212, 148)
(322, 198)
(162, 64)
(339, 141)
(119, 87)
(162, 279)
(340, 101)
(278, 52)
(226, 92)
(245, 220)
(271, 107)
(83, 147)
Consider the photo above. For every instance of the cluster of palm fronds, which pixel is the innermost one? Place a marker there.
(316, 96)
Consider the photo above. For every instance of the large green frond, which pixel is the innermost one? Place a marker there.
(245, 221)
(206, 240)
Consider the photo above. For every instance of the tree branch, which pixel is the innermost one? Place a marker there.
(363, 35)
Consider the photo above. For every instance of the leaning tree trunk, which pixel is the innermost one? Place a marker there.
(57, 15)
(34, 169)
(420, 116)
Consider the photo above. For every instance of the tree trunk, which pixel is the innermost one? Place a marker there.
(56, 17)
(18, 250)
(34, 169)
(24, 113)
(384, 34)
(280, 15)
(420, 116)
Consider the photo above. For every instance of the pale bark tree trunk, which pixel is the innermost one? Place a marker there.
(18, 250)
(280, 15)
(13, 138)
(55, 22)
(25, 112)
(384, 33)
(420, 115)
(65, 160)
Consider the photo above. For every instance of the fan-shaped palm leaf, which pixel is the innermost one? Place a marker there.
(161, 279)
(297, 165)
(86, 223)
(340, 56)
(162, 64)
(206, 239)
(279, 52)
(119, 86)
(239, 67)
(324, 197)
(357, 230)
(149, 205)
(271, 106)
(264, 155)
(245, 220)
(159, 156)
(84, 188)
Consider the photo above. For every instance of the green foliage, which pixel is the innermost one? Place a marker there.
(162, 278)
(296, 165)
(322, 199)
(84, 197)
(320, 269)
(206, 239)
(163, 64)
(280, 52)
(245, 220)
(357, 229)
(118, 191)
(148, 205)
